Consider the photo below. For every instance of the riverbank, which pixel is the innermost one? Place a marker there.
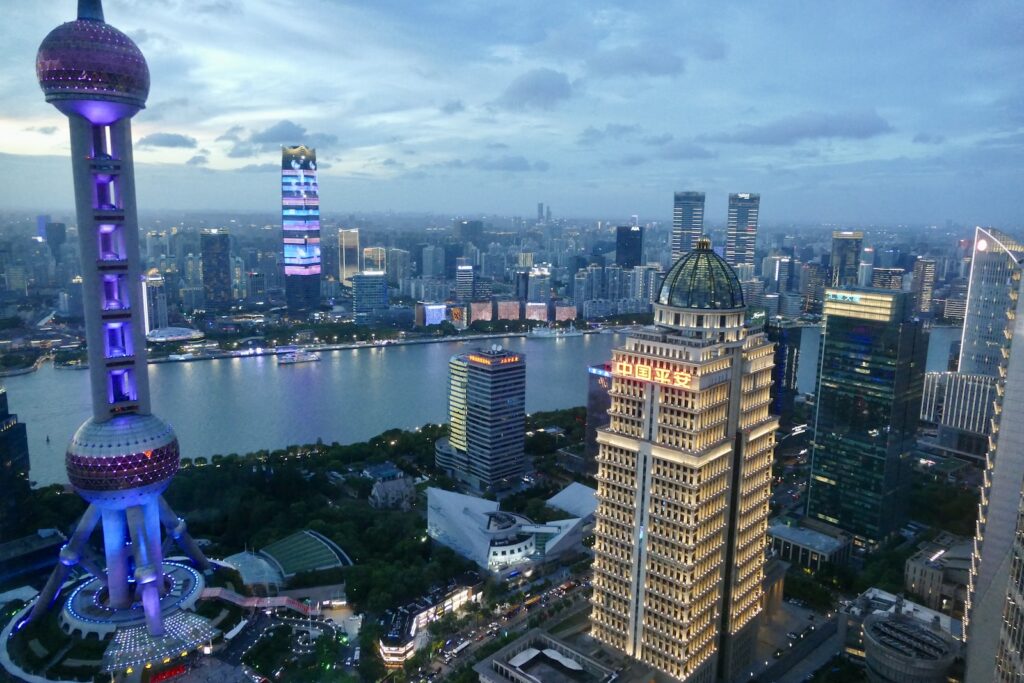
(24, 371)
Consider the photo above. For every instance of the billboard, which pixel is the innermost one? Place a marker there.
(508, 310)
(481, 310)
(537, 311)
(565, 312)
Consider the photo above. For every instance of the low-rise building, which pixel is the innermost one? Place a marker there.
(806, 547)
(901, 649)
(938, 573)
(396, 494)
(855, 624)
(30, 557)
(537, 656)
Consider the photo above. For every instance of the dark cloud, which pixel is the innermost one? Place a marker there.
(613, 131)
(811, 126)
(232, 134)
(45, 130)
(635, 61)
(157, 111)
(631, 160)
(496, 145)
(685, 150)
(168, 140)
(928, 139)
(657, 140)
(283, 132)
(391, 163)
(536, 89)
(198, 160)
(452, 107)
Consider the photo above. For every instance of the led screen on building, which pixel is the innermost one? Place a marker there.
(563, 312)
(300, 211)
(481, 310)
(537, 311)
(508, 310)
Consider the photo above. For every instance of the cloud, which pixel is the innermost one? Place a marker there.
(198, 160)
(232, 134)
(614, 131)
(811, 126)
(168, 140)
(657, 140)
(283, 132)
(259, 168)
(496, 145)
(452, 107)
(928, 139)
(536, 89)
(391, 163)
(635, 61)
(508, 163)
(685, 150)
(45, 130)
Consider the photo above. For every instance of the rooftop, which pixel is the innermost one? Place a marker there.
(701, 279)
(537, 656)
(576, 499)
(305, 551)
(44, 538)
(806, 538)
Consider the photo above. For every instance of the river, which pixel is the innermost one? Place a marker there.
(239, 405)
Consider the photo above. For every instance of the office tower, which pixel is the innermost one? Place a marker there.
(991, 294)
(123, 457)
(399, 262)
(464, 282)
(923, 285)
(779, 273)
(539, 283)
(521, 280)
(369, 296)
(470, 232)
(215, 245)
(432, 264)
(865, 271)
(487, 417)
(786, 335)
(255, 286)
(14, 468)
(348, 255)
(547, 213)
(300, 228)
(375, 258)
(56, 236)
(525, 259)
(540, 212)
(887, 278)
(599, 402)
(154, 301)
(869, 397)
(741, 228)
(629, 246)
(812, 287)
(687, 223)
(41, 221)
(684, 470)
(845, 259)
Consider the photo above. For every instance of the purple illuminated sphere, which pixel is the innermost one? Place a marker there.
(91, 69)
(120, 462)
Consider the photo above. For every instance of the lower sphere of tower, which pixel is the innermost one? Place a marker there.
(122, 461)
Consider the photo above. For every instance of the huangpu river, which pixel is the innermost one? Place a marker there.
(240, 405)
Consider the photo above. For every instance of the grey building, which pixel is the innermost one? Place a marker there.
(845, 260)
(687, 222)
(741, 228)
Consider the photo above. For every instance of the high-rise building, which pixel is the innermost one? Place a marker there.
(470, 232)
(215, 245)
(464, 278)
(399, 262)
(991, 294)
(684, 474)
(154, 301)
(865, 271)
(122, 458)
(923, 285)
(487, 417)
(56, 236)
(786, 335)
(14, 467)
(629, 246)
(887, 278)
(540, 212)
(869, 397)
(432, 264)
(845, 257)
(255, 286)
(300, 225)
(741, 228)
(375, 258)
(599, 401)
(348, 255)
(687, 223)
(369, 296)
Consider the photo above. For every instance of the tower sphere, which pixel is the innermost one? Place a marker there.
(88, 67)
(118, 462)
(701, 279)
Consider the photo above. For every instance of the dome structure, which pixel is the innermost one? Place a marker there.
(128, 454)
(703, 280)
(90, 68)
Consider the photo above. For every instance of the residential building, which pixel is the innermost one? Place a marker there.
(741, 229)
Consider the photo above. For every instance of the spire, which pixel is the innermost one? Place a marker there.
(90, 10)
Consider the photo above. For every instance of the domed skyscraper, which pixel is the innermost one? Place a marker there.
(123, 458)
(684, 476)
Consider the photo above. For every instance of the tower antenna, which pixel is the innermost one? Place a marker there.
(90, 10)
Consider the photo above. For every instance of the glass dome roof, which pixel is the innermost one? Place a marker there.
(701, 279)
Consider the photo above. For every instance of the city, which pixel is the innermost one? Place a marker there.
(702, 426)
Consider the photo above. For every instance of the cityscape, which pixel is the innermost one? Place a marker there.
(735, 402)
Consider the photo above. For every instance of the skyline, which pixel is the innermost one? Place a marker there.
(571, 105)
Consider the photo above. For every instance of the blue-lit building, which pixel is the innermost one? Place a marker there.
(786, 335)
(300, 225)
(369, 296)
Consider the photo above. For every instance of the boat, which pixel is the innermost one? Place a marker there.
(297, 357)
(549, 332)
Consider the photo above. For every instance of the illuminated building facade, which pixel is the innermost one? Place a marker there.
(741, 229)
(687, 222)
(369, 296)
(375, 258)
(348, 255)
(870, 381)
(923, 285)
(887, 278)
(300, 225)
(845, 260)
(122, 458)
(684, 473)
(154, 301)
(487, 417)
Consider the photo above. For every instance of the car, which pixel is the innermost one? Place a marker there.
(792, 636)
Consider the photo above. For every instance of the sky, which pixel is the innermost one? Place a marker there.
(857, 113)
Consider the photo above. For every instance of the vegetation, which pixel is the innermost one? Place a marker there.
(16, 360)
(802, 587)
(944, 506)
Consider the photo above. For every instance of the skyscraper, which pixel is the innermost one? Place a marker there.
(464, 278)
(845, 257)
(375, 258)
(869, 397)
(629, 246)
(487, 417)
(348, 255)
(887, 278)
(684, 470)
(687, 222)
(741, 229)
(923, 285)
(300, 227)
(369, 296)
(154, 301)
(14, 467)
(215, 245)
(122, 458)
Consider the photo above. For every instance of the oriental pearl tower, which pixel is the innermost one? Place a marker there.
(123, 458)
